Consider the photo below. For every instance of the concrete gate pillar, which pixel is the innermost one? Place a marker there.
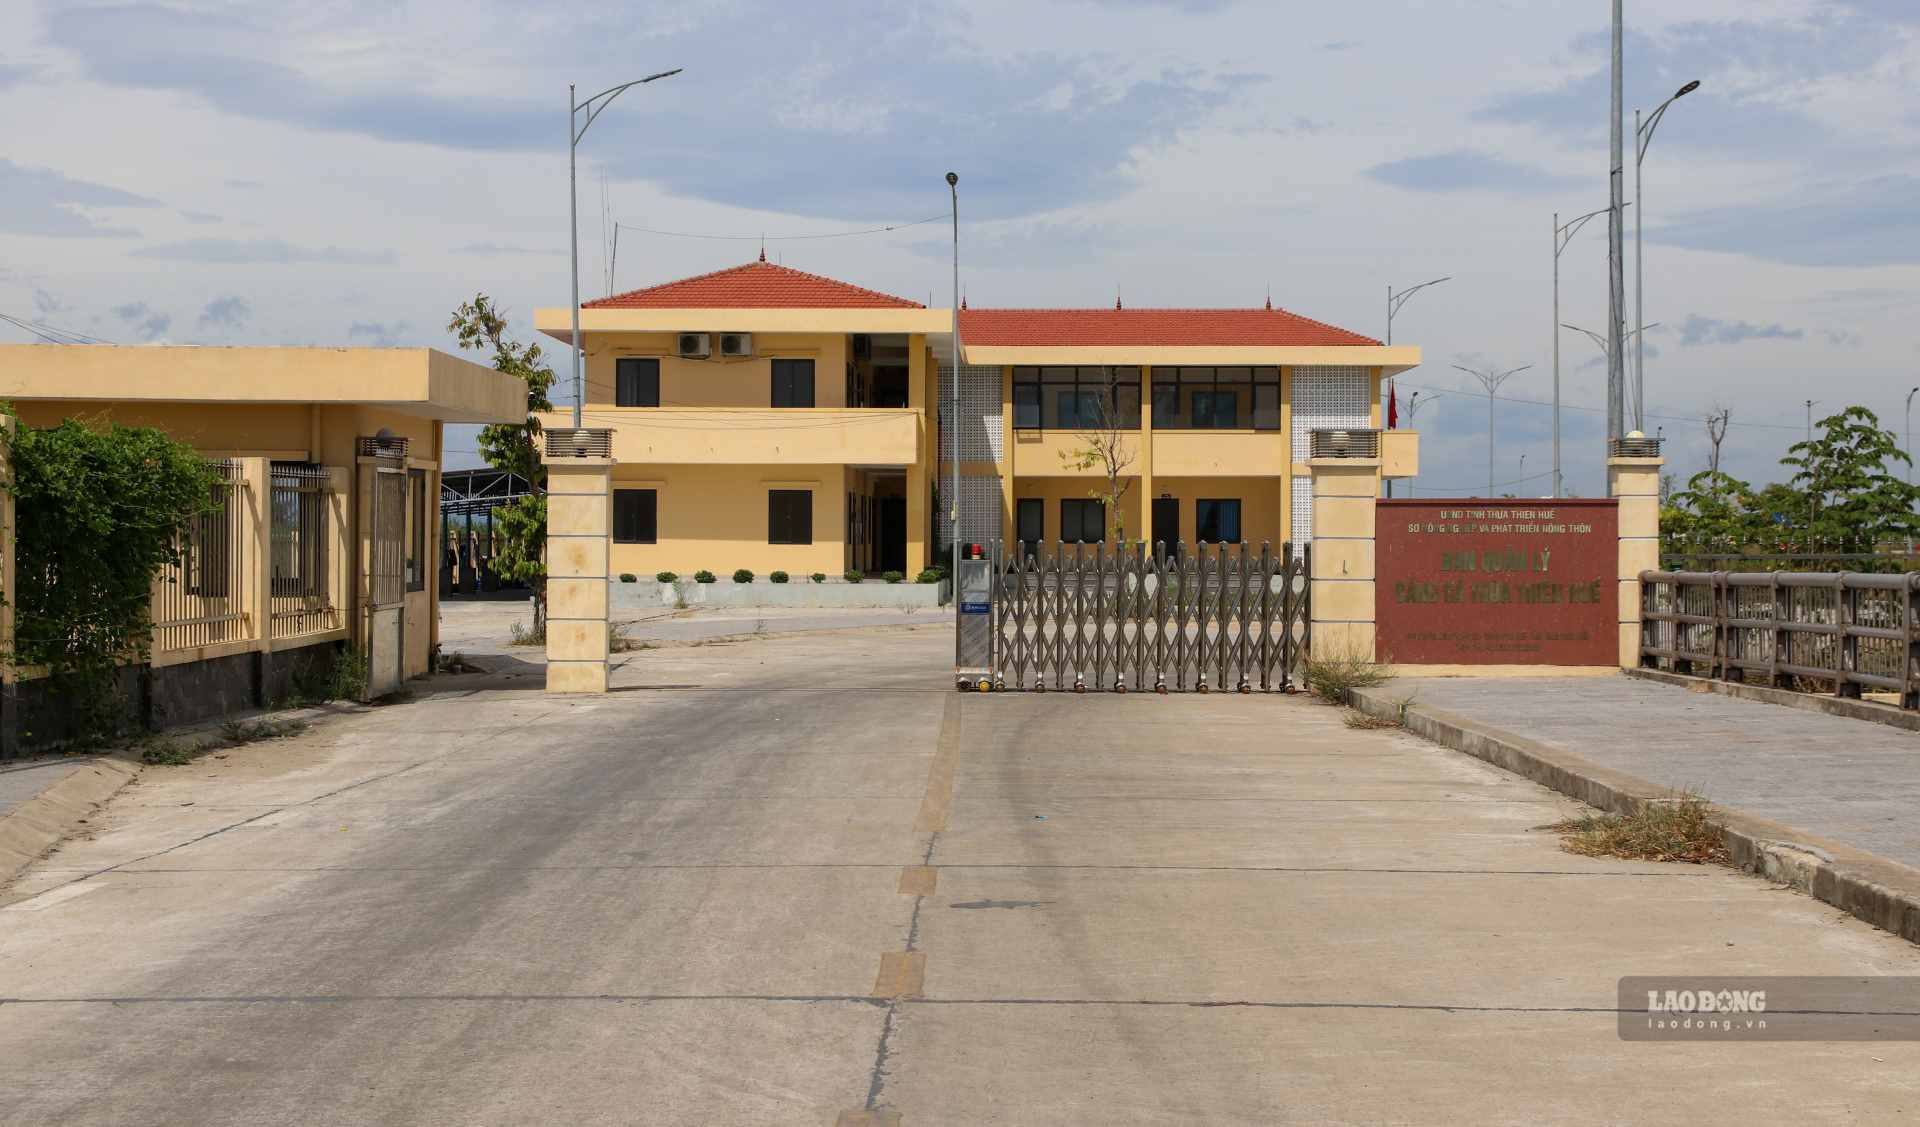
(1633, 476)
(579, 534)
(1342, 560)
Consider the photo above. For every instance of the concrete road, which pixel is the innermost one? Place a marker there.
(800, 881)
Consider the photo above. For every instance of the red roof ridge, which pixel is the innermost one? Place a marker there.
(763, 269)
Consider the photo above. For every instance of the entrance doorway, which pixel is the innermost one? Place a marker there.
(1166, 523)
(892, 548)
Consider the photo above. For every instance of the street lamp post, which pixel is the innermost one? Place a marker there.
(1563, 234)
(577, 129)
(1491, 380)
(1643, 136)
(1910, 396)
(1394, 302)
(953, 400)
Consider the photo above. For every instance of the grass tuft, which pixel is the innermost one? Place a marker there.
(1334, 677)
(1361, 720)
(1676, 829)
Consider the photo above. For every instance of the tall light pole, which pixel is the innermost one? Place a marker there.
(1643, 136)
(577, 129)
(953, 401)
(1491, 380)
(1616, 249)
(1520, 477)
(1563, 234)
(1910, 396)
(1394, 302)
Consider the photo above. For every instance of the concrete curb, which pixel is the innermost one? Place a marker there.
(41, 822)
(1806, 702)
(1866, 886)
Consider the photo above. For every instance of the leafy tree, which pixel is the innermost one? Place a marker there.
(1715, 513)
(515, 447)
(100, 510)
(1852, 502)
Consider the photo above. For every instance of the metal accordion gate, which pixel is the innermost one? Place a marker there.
(1078, 617)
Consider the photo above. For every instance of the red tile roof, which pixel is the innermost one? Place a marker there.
(1149, 327)
(757, 285)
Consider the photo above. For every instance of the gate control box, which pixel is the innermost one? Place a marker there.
(973, 602)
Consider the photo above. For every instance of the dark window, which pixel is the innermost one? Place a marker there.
(636, 516)
(1026, 406)
(789, 516)
(1083, 522)
(417, 530)
(1216, 410)
(636, 383)
(1030, 516)
(1217, 521)
(1076, 398)
(1216, 398)
(793, 384)
(300, 532)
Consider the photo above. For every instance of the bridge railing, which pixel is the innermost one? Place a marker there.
(1847, 633)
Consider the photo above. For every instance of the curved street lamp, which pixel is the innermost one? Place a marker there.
(1643, 136)
(577, 129)
(1563, 234)
(1491, 380)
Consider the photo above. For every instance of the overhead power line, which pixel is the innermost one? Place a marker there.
(1599, 410)
(52, 334)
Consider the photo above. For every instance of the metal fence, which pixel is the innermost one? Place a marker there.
(1844, 631)
(197, 599)
(1172, 619)
(301, 582)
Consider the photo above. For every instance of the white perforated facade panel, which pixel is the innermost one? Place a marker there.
(980, 512)
(981, 433)
(1324, 399)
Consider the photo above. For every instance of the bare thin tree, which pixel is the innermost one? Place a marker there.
(1107, 434)
(1717, 433)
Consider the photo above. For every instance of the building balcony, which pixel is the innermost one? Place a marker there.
(868, 436)
(1399, 453)
(1219, 453)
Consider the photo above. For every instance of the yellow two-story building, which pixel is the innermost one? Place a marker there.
(771, 419)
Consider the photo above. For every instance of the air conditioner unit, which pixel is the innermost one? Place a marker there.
(736, 344)
(696, 346)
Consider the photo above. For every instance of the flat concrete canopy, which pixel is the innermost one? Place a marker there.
(412, 381)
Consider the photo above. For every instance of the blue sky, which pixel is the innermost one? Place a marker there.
(347, 171)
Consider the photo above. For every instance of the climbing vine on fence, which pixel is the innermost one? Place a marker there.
(99, 510)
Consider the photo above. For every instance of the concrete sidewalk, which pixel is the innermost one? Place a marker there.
(42, 800)
(1839, 794)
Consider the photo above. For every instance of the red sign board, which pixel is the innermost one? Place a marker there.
(1502, 582)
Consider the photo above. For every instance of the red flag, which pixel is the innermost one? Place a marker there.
(1393, 405)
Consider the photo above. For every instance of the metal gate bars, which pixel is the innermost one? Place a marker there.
(1229, 617)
